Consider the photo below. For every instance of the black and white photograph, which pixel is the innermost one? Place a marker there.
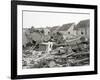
(53, 39)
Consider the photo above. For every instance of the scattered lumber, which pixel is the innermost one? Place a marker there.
(82, 60)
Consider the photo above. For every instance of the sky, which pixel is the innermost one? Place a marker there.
(48, 19)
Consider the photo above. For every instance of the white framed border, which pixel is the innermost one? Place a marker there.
(21, 71)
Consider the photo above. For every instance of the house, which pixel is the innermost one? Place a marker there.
(68, 30)
(83, 28)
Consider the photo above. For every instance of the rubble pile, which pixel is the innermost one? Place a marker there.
(69, 55)
(57, 46)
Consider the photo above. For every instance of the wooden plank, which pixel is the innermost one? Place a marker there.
(78, 61)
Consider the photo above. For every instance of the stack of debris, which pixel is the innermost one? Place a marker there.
(63, 56)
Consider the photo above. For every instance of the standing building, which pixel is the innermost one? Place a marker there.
(83, 28)
(68, 31)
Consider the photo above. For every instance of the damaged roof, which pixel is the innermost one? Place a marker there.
(83, 24)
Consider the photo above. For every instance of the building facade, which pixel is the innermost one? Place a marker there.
(83, 28)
